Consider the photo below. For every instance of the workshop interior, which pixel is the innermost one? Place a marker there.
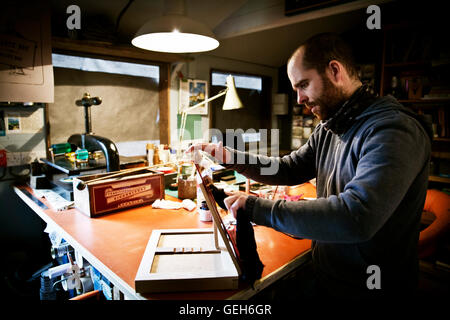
(98, 198)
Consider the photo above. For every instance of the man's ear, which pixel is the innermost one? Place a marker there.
(335, 71)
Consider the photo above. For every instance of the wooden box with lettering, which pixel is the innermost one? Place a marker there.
(99, 194)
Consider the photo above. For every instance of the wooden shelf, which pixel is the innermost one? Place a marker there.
(407, 64)
(420, 65)
(438, 179)
(115, 50)
(424, 101)
(441, 155)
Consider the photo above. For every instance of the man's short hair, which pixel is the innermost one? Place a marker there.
(320, 49)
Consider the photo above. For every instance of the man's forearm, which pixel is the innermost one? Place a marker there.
(269, 170)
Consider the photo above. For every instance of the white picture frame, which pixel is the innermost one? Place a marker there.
(193, 92)
(13, 123)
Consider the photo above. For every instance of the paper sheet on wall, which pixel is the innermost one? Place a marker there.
(26, 72)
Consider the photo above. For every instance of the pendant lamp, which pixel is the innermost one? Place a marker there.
(174, 32)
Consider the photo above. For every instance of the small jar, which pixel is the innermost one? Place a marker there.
(150, 152)
(82, 156)
(205, 214)
(186, 188)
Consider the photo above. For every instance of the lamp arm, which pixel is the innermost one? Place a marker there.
(221, 93)
(185, 111)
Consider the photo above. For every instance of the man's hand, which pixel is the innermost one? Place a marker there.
(216, 150)
(235, 201)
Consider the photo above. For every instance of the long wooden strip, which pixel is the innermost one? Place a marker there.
(185, 250)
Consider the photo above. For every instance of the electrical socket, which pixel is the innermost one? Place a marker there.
(20, 158)
(13, 159)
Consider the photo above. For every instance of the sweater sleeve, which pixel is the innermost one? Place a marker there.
(384, 173)
(294, 168)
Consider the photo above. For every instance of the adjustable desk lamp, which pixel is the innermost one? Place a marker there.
(231, 102)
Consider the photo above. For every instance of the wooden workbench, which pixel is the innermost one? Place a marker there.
(114, 245)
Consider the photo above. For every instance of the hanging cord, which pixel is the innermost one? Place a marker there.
(121, 14)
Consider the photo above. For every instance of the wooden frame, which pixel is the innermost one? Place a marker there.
(209, 262)
(218, 223)
(168, 266)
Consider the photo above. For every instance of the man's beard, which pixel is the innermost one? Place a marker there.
(331, 99)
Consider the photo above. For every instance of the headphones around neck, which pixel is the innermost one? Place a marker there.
(354, 106)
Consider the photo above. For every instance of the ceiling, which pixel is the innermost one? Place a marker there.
(255, 31)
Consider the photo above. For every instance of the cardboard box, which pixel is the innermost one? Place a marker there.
(117, 193)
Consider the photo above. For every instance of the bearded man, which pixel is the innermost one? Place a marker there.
(370, 157)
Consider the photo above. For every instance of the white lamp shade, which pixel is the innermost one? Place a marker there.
(232, 100)
(175, 33)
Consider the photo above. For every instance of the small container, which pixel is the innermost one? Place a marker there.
(70, 156)
(173, 156)
(60, 148)
(165, 154)
(156, 158)
(205, 214)
(186, 188)
(150, 151)
(82, 156)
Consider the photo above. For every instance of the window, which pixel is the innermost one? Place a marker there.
(240, 81)
(108, 66)
(254, 92)
(129, 112)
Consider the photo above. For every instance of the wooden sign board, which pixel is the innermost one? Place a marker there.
(185, 260)
(101, 194)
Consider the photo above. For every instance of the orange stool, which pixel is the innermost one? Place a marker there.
(437, 203)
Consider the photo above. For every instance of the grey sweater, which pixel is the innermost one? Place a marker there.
(371, 187)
